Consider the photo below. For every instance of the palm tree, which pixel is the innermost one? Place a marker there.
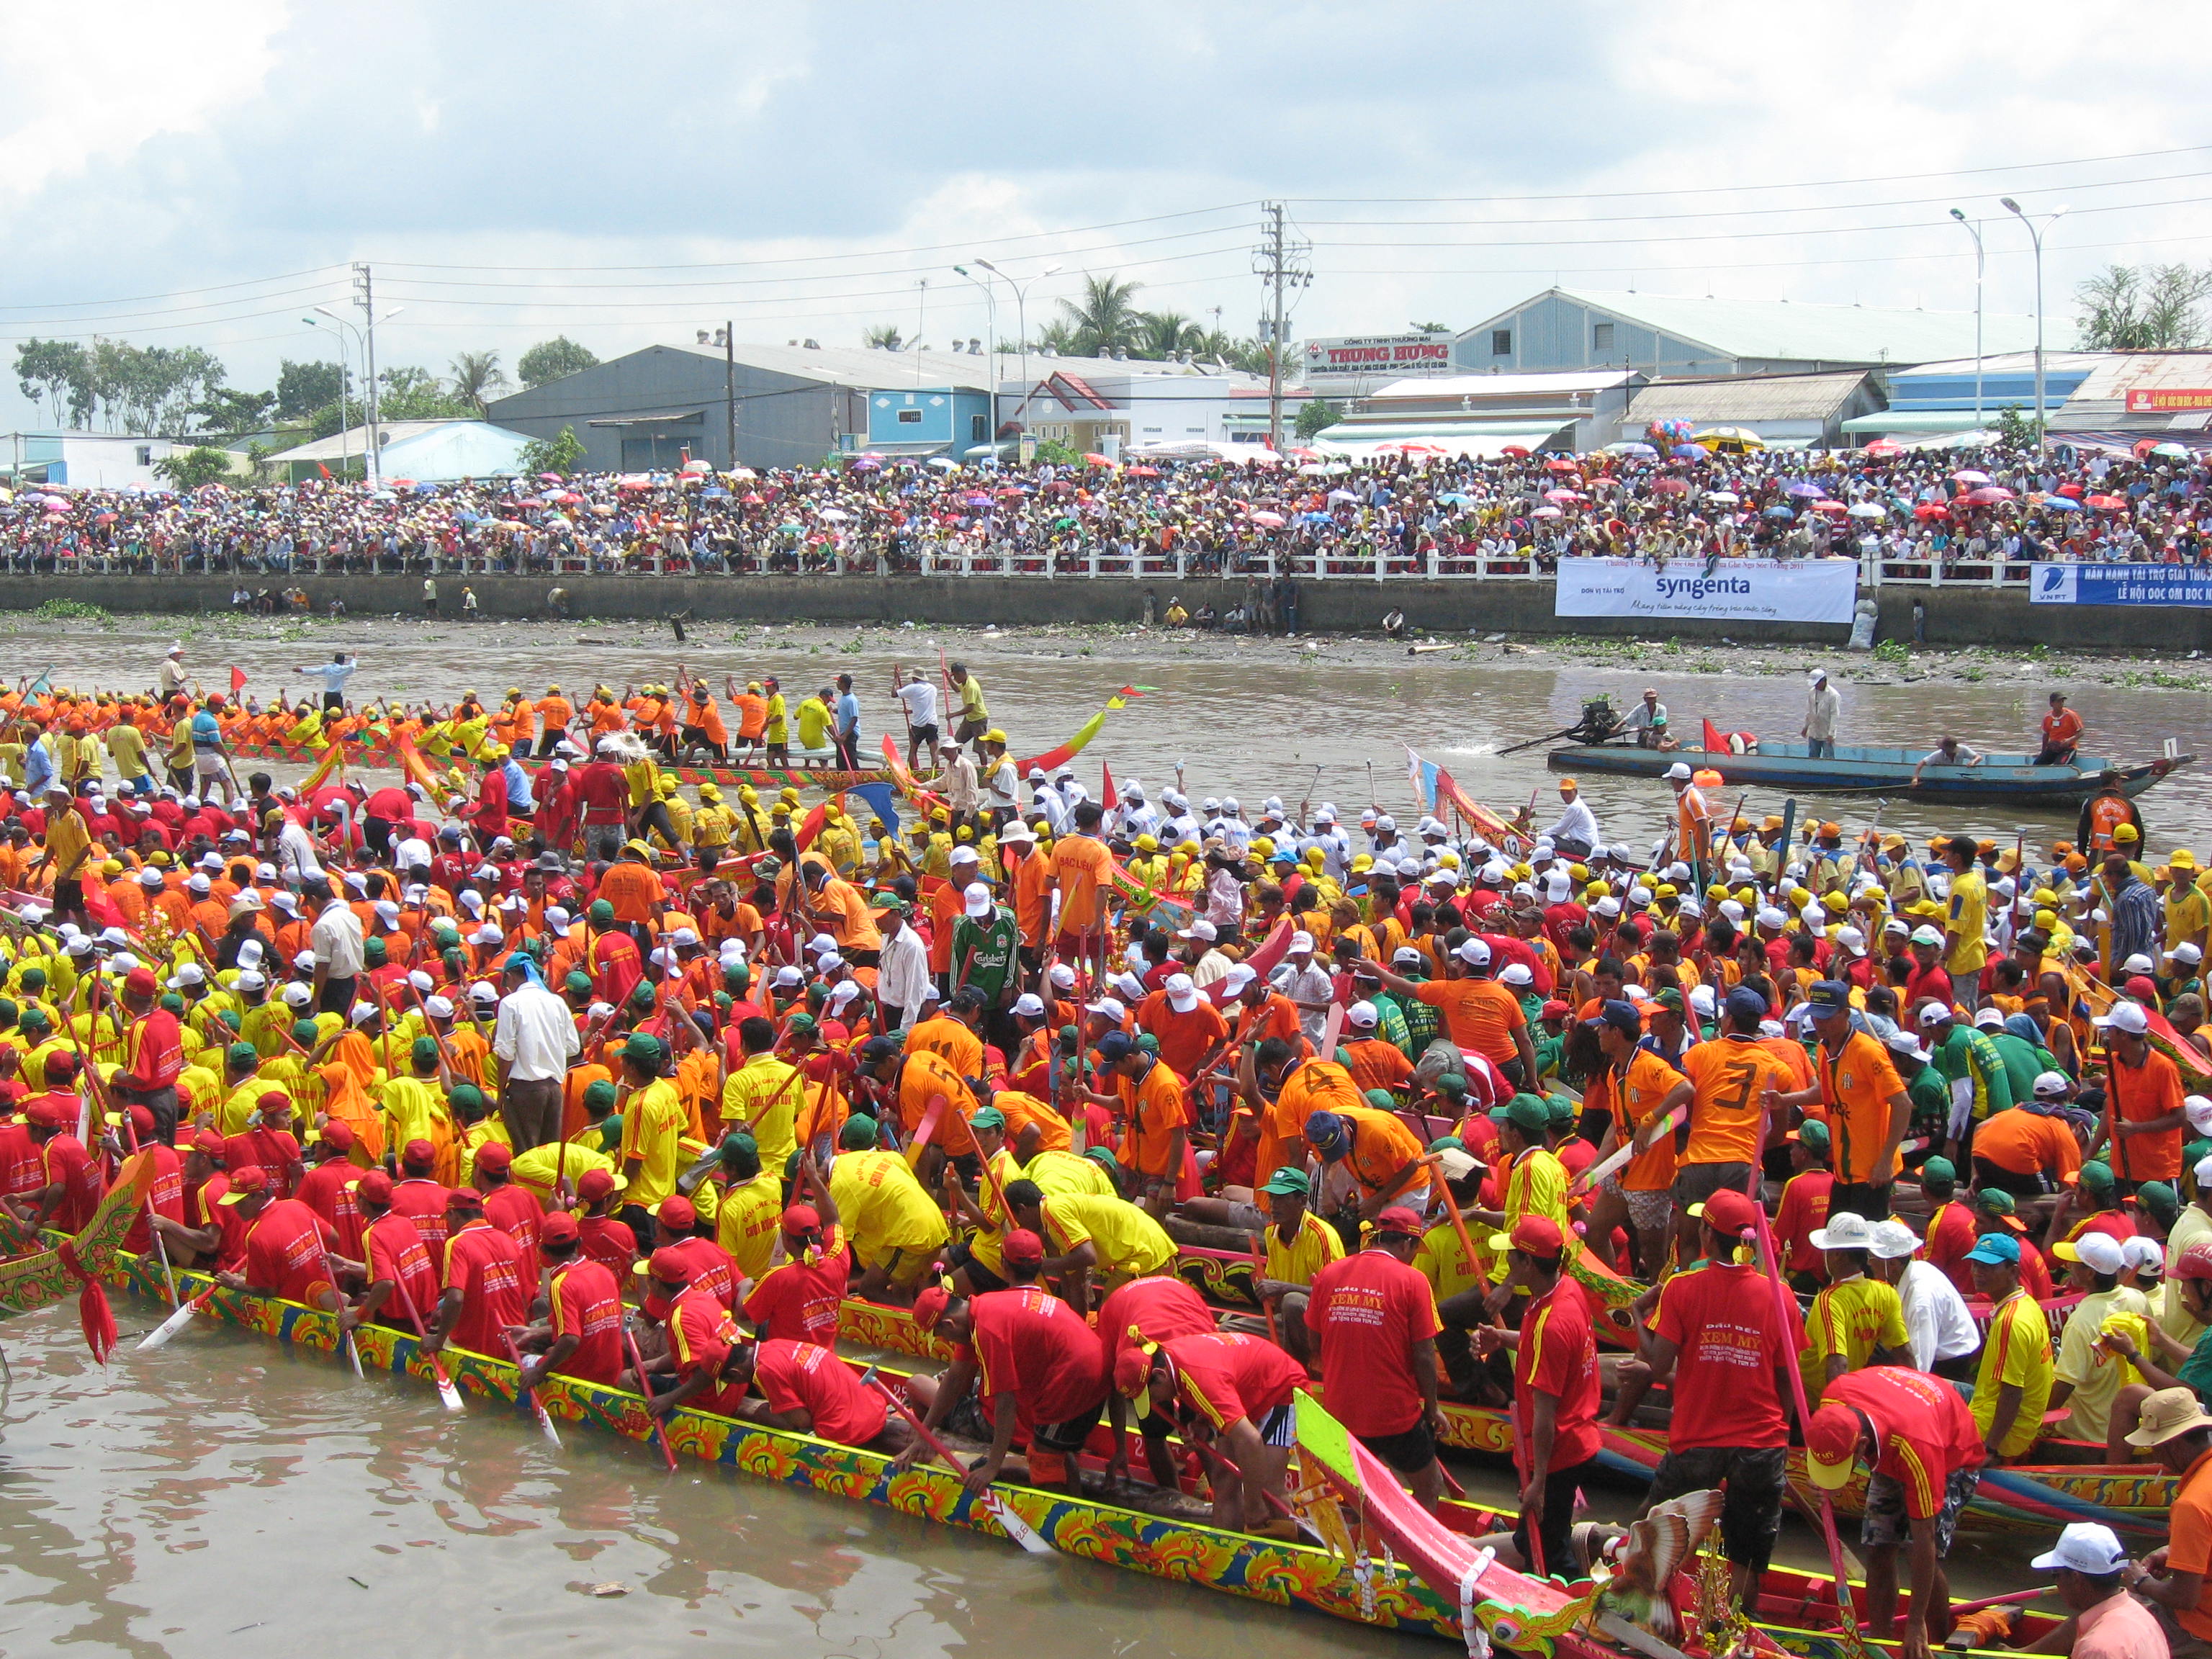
(882, 336)
(1061, 339)
(1164, 334)
(1106, 320)
(477, 376)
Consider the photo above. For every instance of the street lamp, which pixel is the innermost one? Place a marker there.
(2035, 236)
(990, 343)
(345, 368)
(1021, 320)
(1974, 230)
(373, 470)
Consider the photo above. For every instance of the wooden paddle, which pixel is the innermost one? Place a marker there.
(446, 1392)
(1001, 1511)
(530, 1395)
(659, 1429)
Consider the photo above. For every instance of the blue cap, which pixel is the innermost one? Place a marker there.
(1996, 1250)
(1114, 1048)
(1827, 996)
(1744, 1003)
(1326, 1135)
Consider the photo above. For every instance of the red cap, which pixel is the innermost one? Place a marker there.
(1021, 1245)
(276, 1100)
(494, 1155)
(464, 1198)
(419, 1156)
(1132, 1367)
(1536, 1235)
(141, 1124)
(245, 1183)
(1832, 1435)
(594, 1185)
(1399, 1219)
(61, 1066)
(799, 1219)
(670, 1266)
(338, 1133)
(929, 1307)
(1731, 1214)
(677, 1214)
(208, 1141)
(139, 982)
(375, 1187)
(558, 1227)
(49, 1114)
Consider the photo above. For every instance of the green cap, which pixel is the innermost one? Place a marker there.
(859, 1134)
(579, 983)
(1669, 999)
(1995, 1201)
(643, 1049)
(1448, 1143)
(172, 1004)
(242, 1053)
(990, 1117)
(1100, 1155)
(464, 1094)
(2159, 1199)
(1813, 1134)
(1381, 1099)
(602, 913)
(801, 1022)
(1287, 1182)
(1453, 1084)
(2097, 1176)
(1150, 1043)
(641, 995)
(372, 952)
(1939, 1169)
(306, 1030)
(1561, 1108)
(1526, 1113)
(599, 1092)
(424, 1052)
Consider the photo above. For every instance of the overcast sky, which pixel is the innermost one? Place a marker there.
(627, 173)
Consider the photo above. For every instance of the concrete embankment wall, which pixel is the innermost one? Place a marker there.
(1955, 616)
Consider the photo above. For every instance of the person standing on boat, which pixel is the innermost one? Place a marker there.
(1823, 703)
(2062, 734)
(1375, 1320)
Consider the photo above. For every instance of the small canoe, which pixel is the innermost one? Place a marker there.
(2014, 779)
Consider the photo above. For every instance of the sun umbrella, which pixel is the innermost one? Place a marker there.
(1266, 520)
(1561, 495)
(57, 506)
(1987, 495)
(742, 472)
(1882, 449)
(1828, 506)
(864, 465)
(2107, 504)
(1868, 510)
(2072, 490)
(1724, 497)
(1546, 513)
(1008, 491)
(1457, 498)
(1518, 452)
(1634, 451)
(1094, 460)
(1342, 495)
(977, 501)
(1674, 487)
(696, 465)
(549, 477)
(2063, 503)
(946, 461)
(1931, 510)
(1803, 490)
(834, 514)
(751, 500)
(1778, 512)
(1970, 476)
(2171, 451)
(1417, 447)
(1560, 464)
(1688, 452)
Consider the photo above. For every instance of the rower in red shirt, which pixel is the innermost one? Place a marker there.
(712, 1270)
(1034, 1362)
(515, 1209)
(1927, 1455)
(1155, 1310)
(420, 1200)
(1375, 1317)
(805, 1386)
(22, 1170)
(327, 1188)
(166, 1196)
(488, 1284)
(1555, 1389)
(268, 1144)
(71, 1191)
(798, 1299)
(1950, 1229)
(287, 1247)
(1241, 1386)
(703, 1337)
(581, 1334)
(401, 1288)
(607, 1238)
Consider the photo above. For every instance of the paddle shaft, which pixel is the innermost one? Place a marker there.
(644, 1388)
(1001, 1511)
(422, 1335)
(530, 1395)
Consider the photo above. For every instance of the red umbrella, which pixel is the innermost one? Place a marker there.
(1931, 510)
(2143, 447)
(2107, 504)
(1883, 448)
(2072, 490)
(1829, 506)
(1672, 486)
(1989, 495)
(1559, 465)
(1098, 460)
(1518, 452)
(1144, 472)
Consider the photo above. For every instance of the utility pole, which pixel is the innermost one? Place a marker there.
(730, 385)
(1282, 265)
(364, 295)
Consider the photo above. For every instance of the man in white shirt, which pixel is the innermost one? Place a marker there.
(902, 969)
(1307, 984)
(1823, 703)
(919, 698)
(296, 862)
(333, 674)
(1936, 1322)
(962, 794)
(336, 940)
(532, 1044)
(1575, 834)
(170, 675)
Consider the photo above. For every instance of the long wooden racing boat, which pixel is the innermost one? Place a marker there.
(2014, 779)
(2020, 1498)
(65, 1265)
(380, 757)
(1794, 1612)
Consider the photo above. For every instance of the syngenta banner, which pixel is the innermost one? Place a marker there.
(1726, 590)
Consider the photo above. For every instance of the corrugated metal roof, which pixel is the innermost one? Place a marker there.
(2115, 374)
(1747, 397)
(1504, 385)
(859, 366)
(1794, 331)
(354, 442)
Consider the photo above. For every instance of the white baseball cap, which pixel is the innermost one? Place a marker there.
(2127, 1016)
(1361, 1014)
(2084, 1547)
(1182, 992)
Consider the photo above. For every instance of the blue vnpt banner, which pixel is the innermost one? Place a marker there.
(2122, 584)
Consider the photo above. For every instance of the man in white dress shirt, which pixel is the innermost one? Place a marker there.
(1575, 834)
(1937, 1321)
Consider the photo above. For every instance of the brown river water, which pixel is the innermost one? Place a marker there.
(225, 1496)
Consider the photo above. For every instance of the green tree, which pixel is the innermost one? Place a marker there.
(256, 457)
(1429, 328)
(477, 377)
(1106, 319)
(189, 469)
(410, 393)
(550, 360)
(49, 369)
(1051, 449)
(2015, 428)
(1315, 416)
(2150, 307)
(562, 452)
(882, 336)
(304, 388)
(230, 411)
(1161, 335)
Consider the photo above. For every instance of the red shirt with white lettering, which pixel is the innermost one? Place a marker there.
(1923, 1431)
(1160, 1306)
(515, 1212)
(486, 1267)
(807, 1376)
(799, 1301)
(1225, 1377)
(1027, 1342)
(327, 1189)
(1727, 1335)
(1558, 1356)
(1368, 1310)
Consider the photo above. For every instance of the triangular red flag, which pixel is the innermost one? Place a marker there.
(324, 470)
(1716, 741)
(237, 681)
(1107, 798)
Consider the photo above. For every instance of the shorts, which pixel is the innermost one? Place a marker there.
(1279, 1427)
(922, 734)
(904, 1268)
(1069, 1435)
(962, 1255)
(1250, 1218)
(1751, 1513)
(1408, 1452)
(1648, 1209)
(1696, 1183)
(68, 894)
(1859, 1198)
(969, 730)
(1886, 1521)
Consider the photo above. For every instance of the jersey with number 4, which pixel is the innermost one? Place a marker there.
(1731, 1077)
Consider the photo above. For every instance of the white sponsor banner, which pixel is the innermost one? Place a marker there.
(1377, 357)
(1729, 590)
